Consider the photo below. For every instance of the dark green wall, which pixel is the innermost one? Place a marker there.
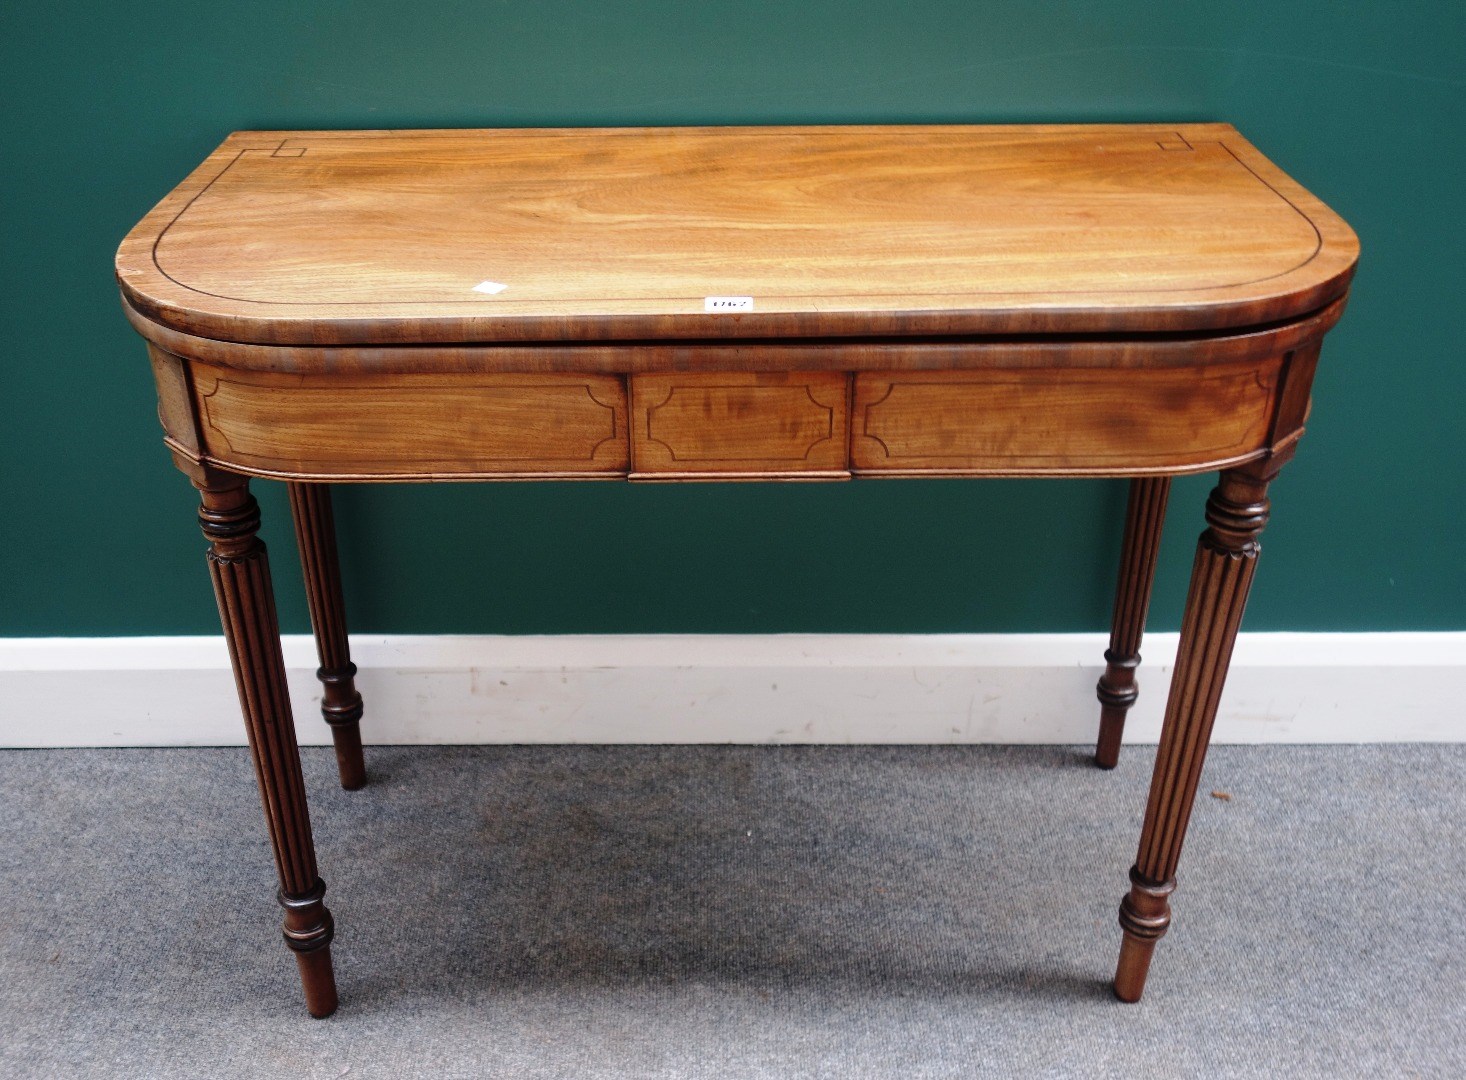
(106, 106)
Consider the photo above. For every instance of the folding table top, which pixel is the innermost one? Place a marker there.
(602, 234)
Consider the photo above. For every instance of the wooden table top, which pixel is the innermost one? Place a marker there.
(600, 234)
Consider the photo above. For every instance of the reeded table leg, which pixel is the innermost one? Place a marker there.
(1144, 515)
(1226, 557)
(315, 534)
(241, 571)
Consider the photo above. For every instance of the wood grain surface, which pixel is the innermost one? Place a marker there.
(1061, 422)
(323, 237)
(413, 425)
(789, 354)
(732, 424)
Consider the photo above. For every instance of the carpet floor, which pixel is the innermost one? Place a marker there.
(851, 912)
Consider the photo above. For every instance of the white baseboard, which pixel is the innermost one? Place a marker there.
(787, 688)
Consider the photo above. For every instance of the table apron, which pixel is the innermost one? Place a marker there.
(732, 425)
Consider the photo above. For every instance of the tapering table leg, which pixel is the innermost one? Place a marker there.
(1145, 514)
(315, 534)
(241, 572)
(1226, 556)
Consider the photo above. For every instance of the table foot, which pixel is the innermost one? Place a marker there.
(1226, 558)
(341, 707)
(1116, 691)
(1145, 915)
(308, 932)
(1145, 514)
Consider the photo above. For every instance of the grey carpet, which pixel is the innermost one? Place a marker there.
(735, 912)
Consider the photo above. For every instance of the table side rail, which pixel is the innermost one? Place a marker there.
(991, 421)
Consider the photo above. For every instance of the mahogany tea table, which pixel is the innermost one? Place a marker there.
(779, 303)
